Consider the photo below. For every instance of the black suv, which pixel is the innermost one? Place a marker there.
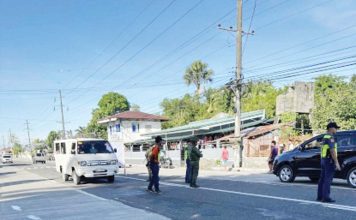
(304, 160)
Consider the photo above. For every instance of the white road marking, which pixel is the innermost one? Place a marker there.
(16, 208)
(33, 217)
(91, 195)
(301, 201)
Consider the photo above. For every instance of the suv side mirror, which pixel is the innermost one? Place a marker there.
(115, 150)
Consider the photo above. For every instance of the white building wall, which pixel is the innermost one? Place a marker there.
(126, 134)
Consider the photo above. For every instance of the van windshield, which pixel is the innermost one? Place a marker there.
(6, 156)
(94, 147)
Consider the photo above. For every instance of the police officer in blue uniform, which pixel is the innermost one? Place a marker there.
(329, 163)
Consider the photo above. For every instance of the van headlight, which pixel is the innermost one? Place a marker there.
(82, 163)
(113, 162)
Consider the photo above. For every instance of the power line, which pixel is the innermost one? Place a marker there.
(249, 27)
(271, 55)
(128, 43)
(118, 36)
(291, 15)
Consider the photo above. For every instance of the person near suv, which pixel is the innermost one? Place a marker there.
(329, 163)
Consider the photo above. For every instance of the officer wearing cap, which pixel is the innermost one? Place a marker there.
(329, 163)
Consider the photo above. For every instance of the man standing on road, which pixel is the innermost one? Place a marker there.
(329, 163)
(272, 156)
(187, 150)
(195, 156)
(154, 165)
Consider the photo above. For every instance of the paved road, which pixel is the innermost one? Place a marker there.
(255, 196)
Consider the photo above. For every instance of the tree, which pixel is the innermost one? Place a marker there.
(109, 104)
(198, 73)
(181, 111)
(51, 137)
(17, 149)
(334, 100)
(260, 95)
(135, 107)
(81, 132)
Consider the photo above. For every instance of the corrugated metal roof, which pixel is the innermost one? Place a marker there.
(209, 124)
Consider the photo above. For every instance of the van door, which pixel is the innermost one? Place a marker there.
(308, 158)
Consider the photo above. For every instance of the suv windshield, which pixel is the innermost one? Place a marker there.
(39, 155)
(94, 147)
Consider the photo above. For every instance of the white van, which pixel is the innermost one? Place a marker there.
(85, 157)
(6, 158)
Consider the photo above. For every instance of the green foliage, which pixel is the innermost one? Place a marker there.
(181, 111)
(109, 104)
(51, 137)
(192, 108)
(17, 149)
(198, 73)
(334, 100)
(260, 95)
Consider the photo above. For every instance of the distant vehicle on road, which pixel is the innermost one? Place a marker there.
(39, 158)
(304, 160)
(85, 158)
(6, 158)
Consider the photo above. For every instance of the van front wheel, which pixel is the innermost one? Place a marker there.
(76, 178)
(64, 177)
(111, 179)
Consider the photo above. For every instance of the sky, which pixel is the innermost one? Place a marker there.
(141, 48)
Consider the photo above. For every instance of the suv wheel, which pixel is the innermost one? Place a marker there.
(111, 179)
(314, 179)
(351, 177)
(76, 178)
(286, 174)
(65, 177)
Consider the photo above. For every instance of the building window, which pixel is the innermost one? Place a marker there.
(117, 127)
(135, 127)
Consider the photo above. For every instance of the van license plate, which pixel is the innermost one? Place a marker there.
(99, 171)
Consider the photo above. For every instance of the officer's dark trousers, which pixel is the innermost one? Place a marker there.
(326, 178)
(154, 181)
(194, 171)
(187, 172)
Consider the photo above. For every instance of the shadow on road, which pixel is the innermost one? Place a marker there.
(7, 173)
(20, 182)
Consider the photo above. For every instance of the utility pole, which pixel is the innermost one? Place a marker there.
(3, 142)
(237, 132)
(63, 126)
(28, 135)
(236, 85)
(10, 138)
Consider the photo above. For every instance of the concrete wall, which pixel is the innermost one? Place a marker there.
(299, 98)
(139, 157)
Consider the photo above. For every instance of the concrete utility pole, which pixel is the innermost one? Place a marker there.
(3, 142)
(237, 133)
(63, 126)
(10, 138)
(28, 135)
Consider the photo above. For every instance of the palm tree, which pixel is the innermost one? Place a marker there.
(198, 73)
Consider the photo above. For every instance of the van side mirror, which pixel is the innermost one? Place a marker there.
(115, 150)
(72, 151)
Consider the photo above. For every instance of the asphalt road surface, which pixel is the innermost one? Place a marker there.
(255, 196)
